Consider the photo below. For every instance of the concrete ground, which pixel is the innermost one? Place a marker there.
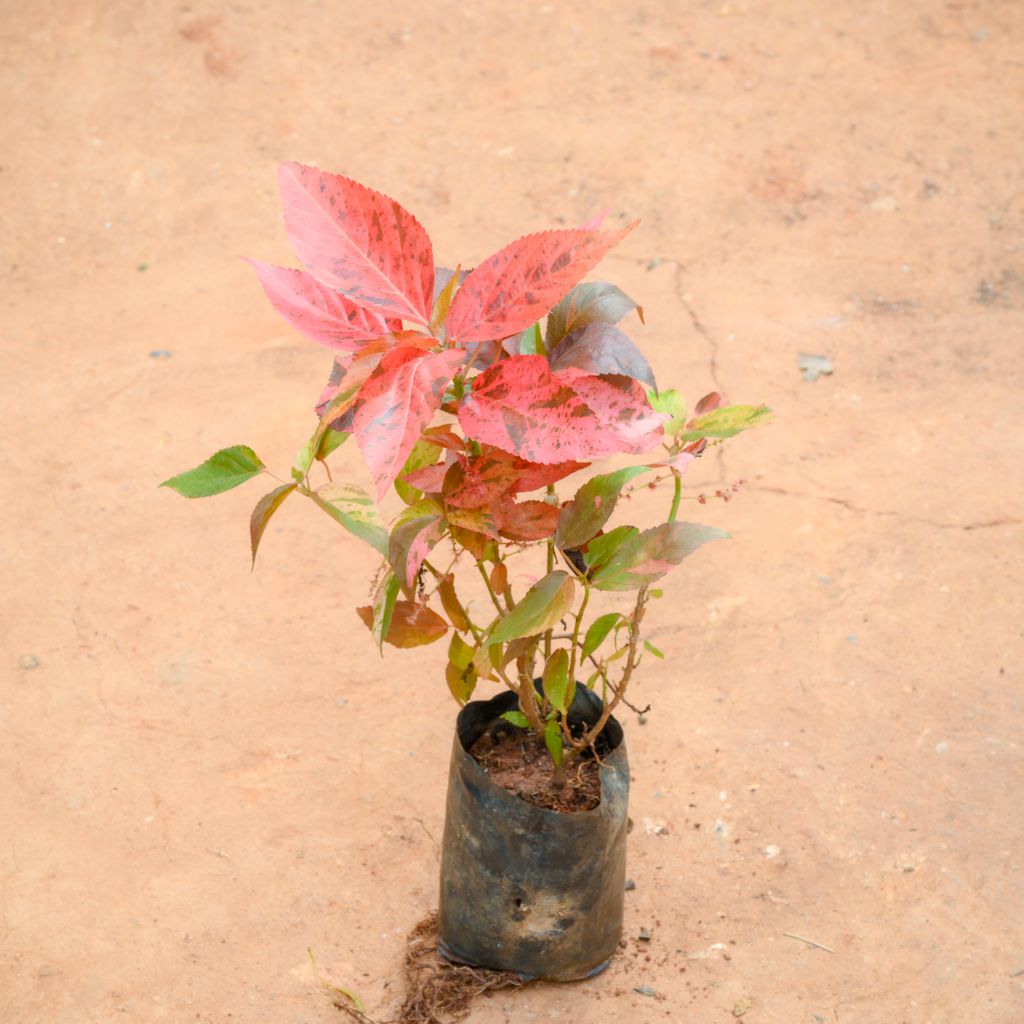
(208, 772)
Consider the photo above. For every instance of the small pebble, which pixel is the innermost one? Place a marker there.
(645, 990)
(160, 353)
(340, 701)
(630, 885)
(644, 936)
(28, 661)
(771, 851)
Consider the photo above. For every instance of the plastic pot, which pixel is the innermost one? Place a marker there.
(524, 888)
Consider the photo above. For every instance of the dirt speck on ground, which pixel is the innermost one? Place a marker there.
(209, 771)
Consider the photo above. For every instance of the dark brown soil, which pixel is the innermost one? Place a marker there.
(518, 761)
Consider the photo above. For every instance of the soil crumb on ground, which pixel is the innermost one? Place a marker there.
(518, 761)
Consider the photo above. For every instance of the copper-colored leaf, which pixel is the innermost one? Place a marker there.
(477, 520)
(521, 406)
(451, 603)
(526, 520)
(412, 624)
(517, 286)
(319, 312)
(359, 242)
(396, 403)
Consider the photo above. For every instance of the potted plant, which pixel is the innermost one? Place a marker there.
(471, 395)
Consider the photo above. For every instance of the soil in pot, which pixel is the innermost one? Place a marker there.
(517, 760)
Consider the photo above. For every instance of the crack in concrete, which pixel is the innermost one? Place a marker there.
(698, 326)
(887, 513)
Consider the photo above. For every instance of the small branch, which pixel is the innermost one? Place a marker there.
(619, 691)
(810, 942)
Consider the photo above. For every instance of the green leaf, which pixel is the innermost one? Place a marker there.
(588, 303)
(541, 607)
(530, 342)
(517, 718)
(303, 460)
(592, 507)
(646, 557)
(384, 608)
(460, 673)
(557, 685)
(600, 549)
(672, 403)
(599, 630)
(553, 740)
(265, 508)
(354, 509)
(220, 472)
(654, 650)
(330, 441)
(424, 453)
(444, 300)
(726, 422)
(459, 652)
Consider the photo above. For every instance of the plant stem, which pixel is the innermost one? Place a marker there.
(674, 511)
(551, 568)
(576, 632)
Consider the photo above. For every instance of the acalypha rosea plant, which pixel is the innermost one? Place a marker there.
(463, 404)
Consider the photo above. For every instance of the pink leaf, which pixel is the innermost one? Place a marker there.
(410, 544)
(359, 242)
(350, 371)
(397, 403)
(427, 478)
(516, 286)
(319, 312)
(596, 221)
(519, 405)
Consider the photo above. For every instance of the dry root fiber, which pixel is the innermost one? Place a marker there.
(436, 991)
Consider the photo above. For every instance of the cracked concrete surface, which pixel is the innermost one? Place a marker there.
(209, 771)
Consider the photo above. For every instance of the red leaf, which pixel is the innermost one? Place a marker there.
(412, 624)
(359, 242)
(516, 286)
(474, 483)
(396, 403)
(533, 475)
(519, 405)
(526, 520)
(483, 480)
(317, 311)
(712, 400)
